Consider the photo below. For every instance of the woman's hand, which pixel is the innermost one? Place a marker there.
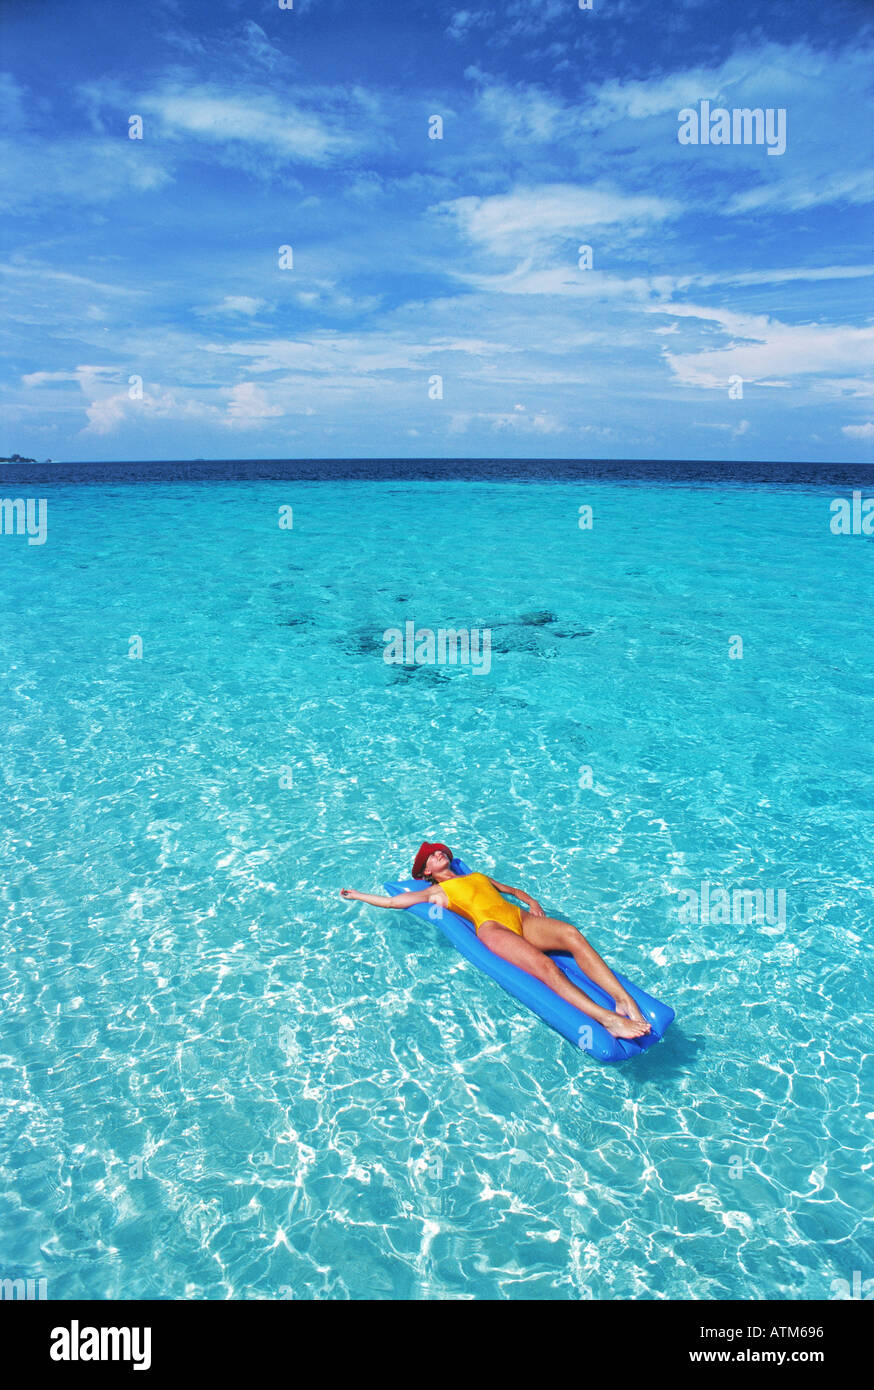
(349, 893)
(535, 909)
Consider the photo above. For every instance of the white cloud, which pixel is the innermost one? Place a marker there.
(779, 277)
(865, 431)
(40, 378)
(257, 118)
(569, 282)
(88, 377)
(797, 194)
(248, 405)
(259, 48)
(530, 218)
(460, 23)
(830, 132)
(41, 273)
(68, 172)
(233, 51)
(525, 114)
(768, 74)
(234, 304)
(106, 413)
(109, 402)
(734, 430)
(855, 386)
(770, 349)
(344, 355)
(537, 423)
(638, 100)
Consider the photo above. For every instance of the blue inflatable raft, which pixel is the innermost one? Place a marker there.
(577, 1027)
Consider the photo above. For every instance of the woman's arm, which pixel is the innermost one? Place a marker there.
(399, 900)
(533, 905)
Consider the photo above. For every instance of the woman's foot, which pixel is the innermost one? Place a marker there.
(622, 1027)
(626, 1006)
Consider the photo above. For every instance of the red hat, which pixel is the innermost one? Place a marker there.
(425, 851)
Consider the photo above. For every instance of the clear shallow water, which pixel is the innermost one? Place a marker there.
(218, 1079)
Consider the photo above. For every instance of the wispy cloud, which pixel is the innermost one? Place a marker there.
(233, 304)
(528, 220)
(798, 193)
(769, 349)
(37, 174)
(259, 118)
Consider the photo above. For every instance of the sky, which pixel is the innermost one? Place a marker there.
(435, 301)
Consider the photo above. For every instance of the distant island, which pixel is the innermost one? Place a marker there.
(19, 458)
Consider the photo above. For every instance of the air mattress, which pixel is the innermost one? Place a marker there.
(581, 1030)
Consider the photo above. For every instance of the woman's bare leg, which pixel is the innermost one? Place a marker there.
(529, 958)
(552, 934)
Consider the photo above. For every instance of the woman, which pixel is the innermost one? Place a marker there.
(517, 936)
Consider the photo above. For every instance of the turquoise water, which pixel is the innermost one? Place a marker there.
(218, 1079)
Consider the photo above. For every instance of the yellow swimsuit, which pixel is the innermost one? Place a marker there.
(474, 897)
